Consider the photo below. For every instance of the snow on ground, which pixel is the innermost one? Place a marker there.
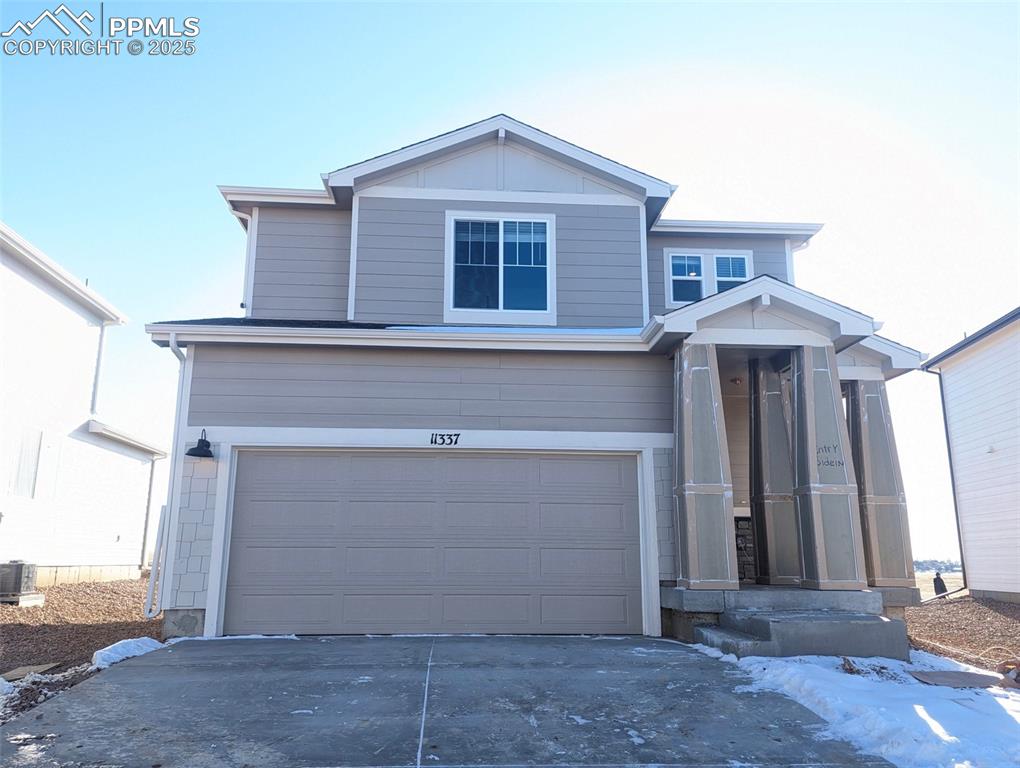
(125, 649)
(886, 712)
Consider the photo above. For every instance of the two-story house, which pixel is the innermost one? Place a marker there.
(480, 385)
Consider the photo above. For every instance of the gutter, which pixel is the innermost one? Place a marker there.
(157, 572)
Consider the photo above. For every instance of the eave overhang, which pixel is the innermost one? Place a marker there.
(797, 233)
(115, 435)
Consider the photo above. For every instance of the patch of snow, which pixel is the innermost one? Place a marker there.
(363, 679)
(578, 719)
(301, 712)
(5, 687)
(884, 711)
(430, 756)
(635, 737)
(124, 649)
(532, 721)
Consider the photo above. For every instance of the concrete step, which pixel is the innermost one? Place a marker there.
(731, 641)
(825, 633)
(761, 598)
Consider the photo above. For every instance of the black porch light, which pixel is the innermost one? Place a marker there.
(202, 450)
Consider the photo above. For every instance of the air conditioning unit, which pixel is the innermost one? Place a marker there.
(17, 584)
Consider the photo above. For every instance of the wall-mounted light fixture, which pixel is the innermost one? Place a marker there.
(202, 450)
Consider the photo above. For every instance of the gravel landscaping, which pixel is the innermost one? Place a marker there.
(76, 621)
(985, 633)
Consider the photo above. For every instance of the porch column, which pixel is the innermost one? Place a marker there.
(703, 487)
(883, 506)
(777, 537)
(825, 488)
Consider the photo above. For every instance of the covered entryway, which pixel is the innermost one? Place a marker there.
(334, 542)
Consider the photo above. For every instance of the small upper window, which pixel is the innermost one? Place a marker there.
(685, 270)
(501, 270)
(730, 271)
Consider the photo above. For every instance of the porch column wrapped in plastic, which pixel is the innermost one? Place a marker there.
(703, 486)
(825, 486)
(883, 506)
(777, 540)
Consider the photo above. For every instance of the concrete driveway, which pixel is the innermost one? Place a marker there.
(420, 701)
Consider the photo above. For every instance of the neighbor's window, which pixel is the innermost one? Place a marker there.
(685, 270)
(501, 265)
(730, 271)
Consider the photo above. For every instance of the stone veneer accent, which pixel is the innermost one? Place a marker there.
(194, 534)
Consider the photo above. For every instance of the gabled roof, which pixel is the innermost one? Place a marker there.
(975, 337)
(500, 126)
(47, 269)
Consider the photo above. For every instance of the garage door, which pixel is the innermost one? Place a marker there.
(330, 542)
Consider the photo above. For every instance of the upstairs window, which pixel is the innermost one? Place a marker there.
(730, 271)
(500, 269)
(692, 274)
(686, 276)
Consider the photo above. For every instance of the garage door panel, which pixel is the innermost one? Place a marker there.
(434, 542)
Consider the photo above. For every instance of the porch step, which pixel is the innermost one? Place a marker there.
(797, 633)
(731, 641)
(762, 598)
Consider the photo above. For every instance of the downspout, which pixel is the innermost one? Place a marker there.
(156, 572)
(99, 365)
(952, 476)
(148, 511)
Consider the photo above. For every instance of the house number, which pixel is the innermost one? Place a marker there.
(445, 438)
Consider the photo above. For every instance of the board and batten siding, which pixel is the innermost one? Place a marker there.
(769, 258)
(278, 386)
(302, 259)
(401, 260)
(981, 387)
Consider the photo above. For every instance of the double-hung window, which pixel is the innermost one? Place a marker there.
(692, 274)
(500, 269)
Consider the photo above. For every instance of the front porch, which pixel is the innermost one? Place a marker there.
(783, 442)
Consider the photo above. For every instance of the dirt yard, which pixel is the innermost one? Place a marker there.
(925, 582)
(982, 632)
(77, 620)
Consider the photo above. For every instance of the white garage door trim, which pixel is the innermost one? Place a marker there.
(228, 440)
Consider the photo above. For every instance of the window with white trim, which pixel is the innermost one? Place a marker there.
(694, 273)
(500, 269)
(730, 271)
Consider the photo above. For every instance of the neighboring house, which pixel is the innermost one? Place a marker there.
(463, 373)
(76, 491)
(980, 383)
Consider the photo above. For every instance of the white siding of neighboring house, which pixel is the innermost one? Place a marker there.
(982, 402)
(67, 497)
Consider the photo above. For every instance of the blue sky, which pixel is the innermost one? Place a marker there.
(896, 125)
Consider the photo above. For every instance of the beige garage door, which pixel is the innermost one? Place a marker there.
(327, 542)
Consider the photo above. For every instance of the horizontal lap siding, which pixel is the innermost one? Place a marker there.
(302, 258)
(401, 253)
(769, 258)
(981, 387)
(237, 385)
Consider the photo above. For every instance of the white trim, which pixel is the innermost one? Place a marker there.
(352, 274)
(693, 226)
(176, 478)
(709, 280)
(759, 337)
(219, 559)
(789, 261)
(348, 176)
(645, 310)
(276, 195)
(98, 428)
(574, 340)
(43, 266)
(496, 196)
(231, 440)
(250, 254)
(860, 373)
(452, 314)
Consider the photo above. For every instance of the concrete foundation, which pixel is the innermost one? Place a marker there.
(183, 622)
(990, 594)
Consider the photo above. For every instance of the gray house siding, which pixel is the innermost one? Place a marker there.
(302, 258)
(401, 255)
(239, 385)
(769, 258)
